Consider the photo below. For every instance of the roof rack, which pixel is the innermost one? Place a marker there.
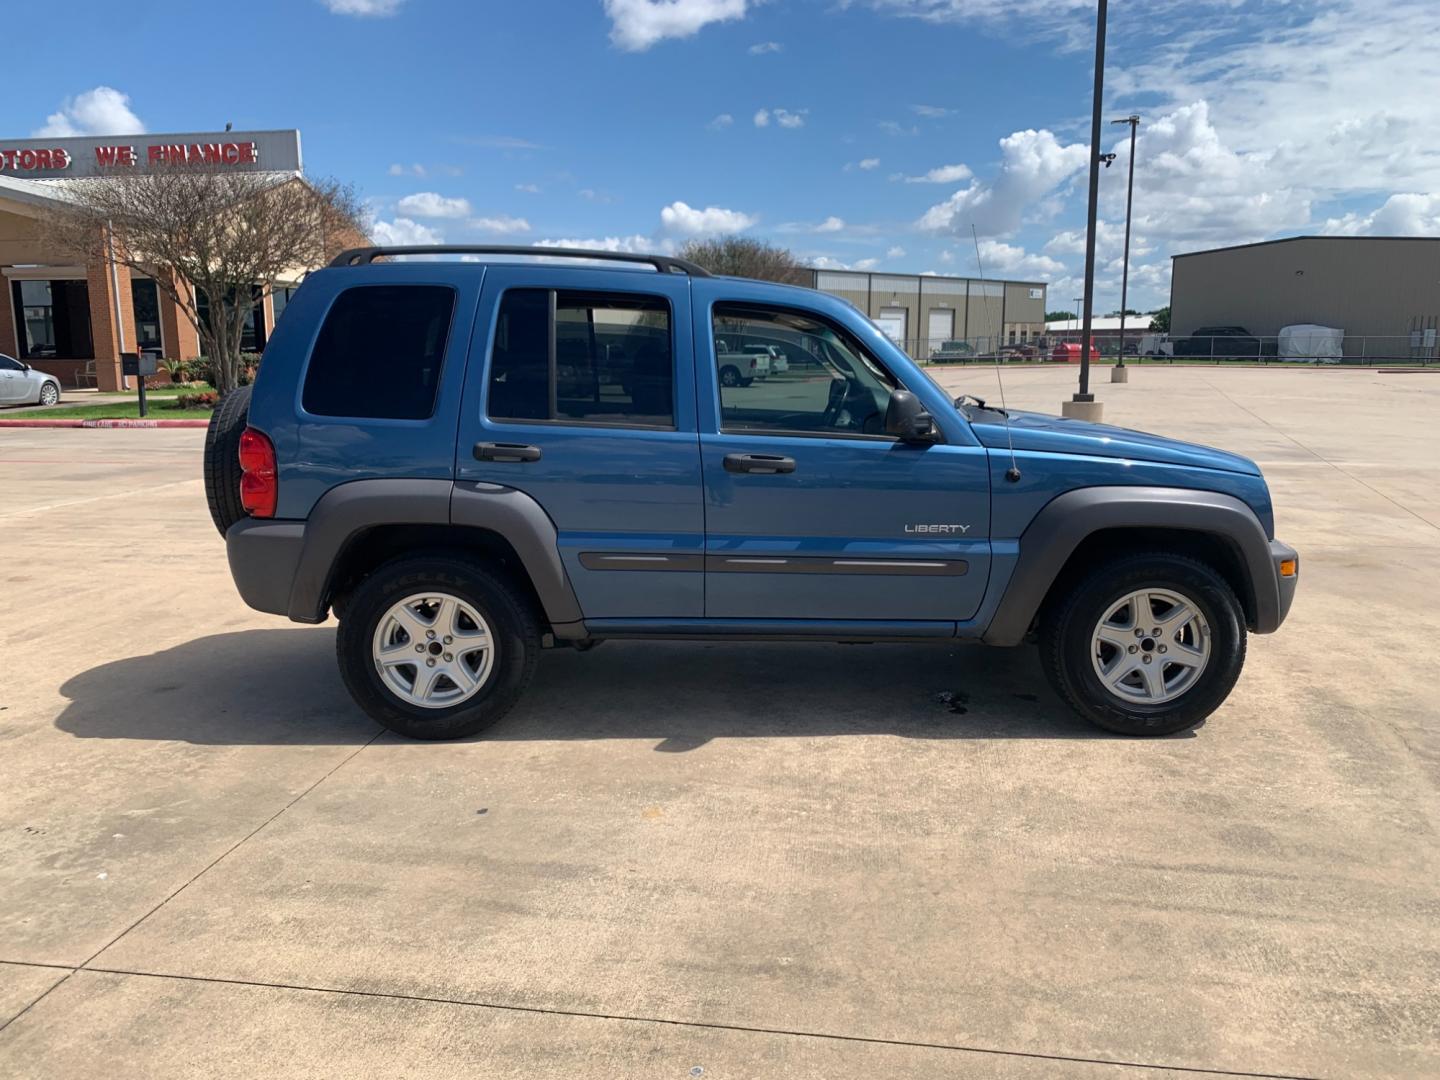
(665, 264)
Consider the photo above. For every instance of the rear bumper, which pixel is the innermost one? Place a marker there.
(264, 556)
(1269, 615)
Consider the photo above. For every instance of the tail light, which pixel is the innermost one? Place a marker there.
(259, 485)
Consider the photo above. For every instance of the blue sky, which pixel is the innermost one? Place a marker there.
(868, 133)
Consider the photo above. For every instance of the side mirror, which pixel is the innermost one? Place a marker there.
(907, 420)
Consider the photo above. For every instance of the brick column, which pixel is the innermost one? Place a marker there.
(181, 340)
(9, 337)
(103, 332)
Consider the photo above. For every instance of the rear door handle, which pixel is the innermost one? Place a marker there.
(506, 451)
(759, 463)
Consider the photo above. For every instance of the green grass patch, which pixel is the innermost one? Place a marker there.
(160, 408)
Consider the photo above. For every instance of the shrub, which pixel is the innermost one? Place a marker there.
(197, 401)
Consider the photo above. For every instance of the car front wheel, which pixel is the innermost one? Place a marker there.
(49, 394)
(1146, 644)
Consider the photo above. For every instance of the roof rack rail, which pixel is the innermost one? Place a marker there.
(665, 264)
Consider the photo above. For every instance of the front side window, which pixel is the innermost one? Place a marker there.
(841, 391)
(380, 352)
(584, 358)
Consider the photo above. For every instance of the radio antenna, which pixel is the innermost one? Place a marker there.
(1012, 474)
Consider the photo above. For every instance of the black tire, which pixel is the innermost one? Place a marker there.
(1066, 635)
(222, 458)
(746, 382)
(514, 629)
(729, 375)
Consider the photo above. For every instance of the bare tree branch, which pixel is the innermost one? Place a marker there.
(203, 230)
(742, 257)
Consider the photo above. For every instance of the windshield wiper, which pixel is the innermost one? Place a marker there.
(964, 399)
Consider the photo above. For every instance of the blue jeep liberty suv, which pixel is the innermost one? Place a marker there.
(472, 456)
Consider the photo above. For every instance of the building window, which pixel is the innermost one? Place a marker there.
(280, 299)
(252, 334)
(581, 357)
(53, 320)
(380, 352)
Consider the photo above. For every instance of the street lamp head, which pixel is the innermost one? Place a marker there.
(1131, 119)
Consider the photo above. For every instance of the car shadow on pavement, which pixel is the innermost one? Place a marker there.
(281, 687)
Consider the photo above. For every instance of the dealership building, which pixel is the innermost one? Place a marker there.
(921, 312)
(1384, 292)
(75, 320)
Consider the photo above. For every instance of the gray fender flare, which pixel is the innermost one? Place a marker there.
(1060, 527)
(344, 512)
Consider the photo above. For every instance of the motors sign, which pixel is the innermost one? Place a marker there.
(100, 155)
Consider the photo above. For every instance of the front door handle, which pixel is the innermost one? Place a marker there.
(765, 464)
(506, 451)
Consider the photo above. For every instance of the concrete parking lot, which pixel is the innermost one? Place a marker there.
(746, 860)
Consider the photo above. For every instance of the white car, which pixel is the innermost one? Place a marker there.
(20, 384)
(779, 362)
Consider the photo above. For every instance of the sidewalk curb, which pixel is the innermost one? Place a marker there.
(78, 423)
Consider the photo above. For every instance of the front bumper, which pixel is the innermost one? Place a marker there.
(1272, 609)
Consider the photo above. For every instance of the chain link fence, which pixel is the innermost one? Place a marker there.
(1412, 349)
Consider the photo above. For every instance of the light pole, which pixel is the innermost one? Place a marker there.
(1083, 403)
(1119, 372)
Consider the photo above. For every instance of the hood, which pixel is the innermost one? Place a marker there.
(1061, 435)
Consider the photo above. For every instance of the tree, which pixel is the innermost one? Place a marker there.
(199, 230)
(739, 256)
(1055, 316)
(1128, 312)
(1160, 320)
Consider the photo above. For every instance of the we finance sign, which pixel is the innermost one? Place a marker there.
(99, 155)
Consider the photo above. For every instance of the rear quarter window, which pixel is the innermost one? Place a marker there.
(380, 352)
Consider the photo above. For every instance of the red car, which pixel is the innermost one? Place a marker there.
(1068, 352)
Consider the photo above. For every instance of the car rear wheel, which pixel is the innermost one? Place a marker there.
(729, 375)
(1146, 644)
(222, 458)
(49, 393)
(436, 647)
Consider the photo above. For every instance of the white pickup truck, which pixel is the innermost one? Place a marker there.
(740, 368)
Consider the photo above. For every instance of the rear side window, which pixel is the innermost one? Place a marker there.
(585, 358)
(380, 352)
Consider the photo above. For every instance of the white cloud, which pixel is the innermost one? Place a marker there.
(893, 127)
(363, 8)
(930, 112)
(830, 224)
(678, 219)
(591, 195)
(101, 111)
(1032, 163)
(416, 169)
(896, 252)
(403, 231)
(826, 262)
(634, 245)
(430, 204)
(638, 24)
(528, 189)
(1009, 260)
(1410, 214)
(942, 174)
(762, 47)
(724, 120)
(786, 118)
(869, 163)
(503, 224)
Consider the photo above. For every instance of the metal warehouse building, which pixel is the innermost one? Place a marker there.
(921, 312)
(1384, 292)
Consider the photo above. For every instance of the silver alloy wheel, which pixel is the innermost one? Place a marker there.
(49, 395)
(1151, 646)
(433, 650)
